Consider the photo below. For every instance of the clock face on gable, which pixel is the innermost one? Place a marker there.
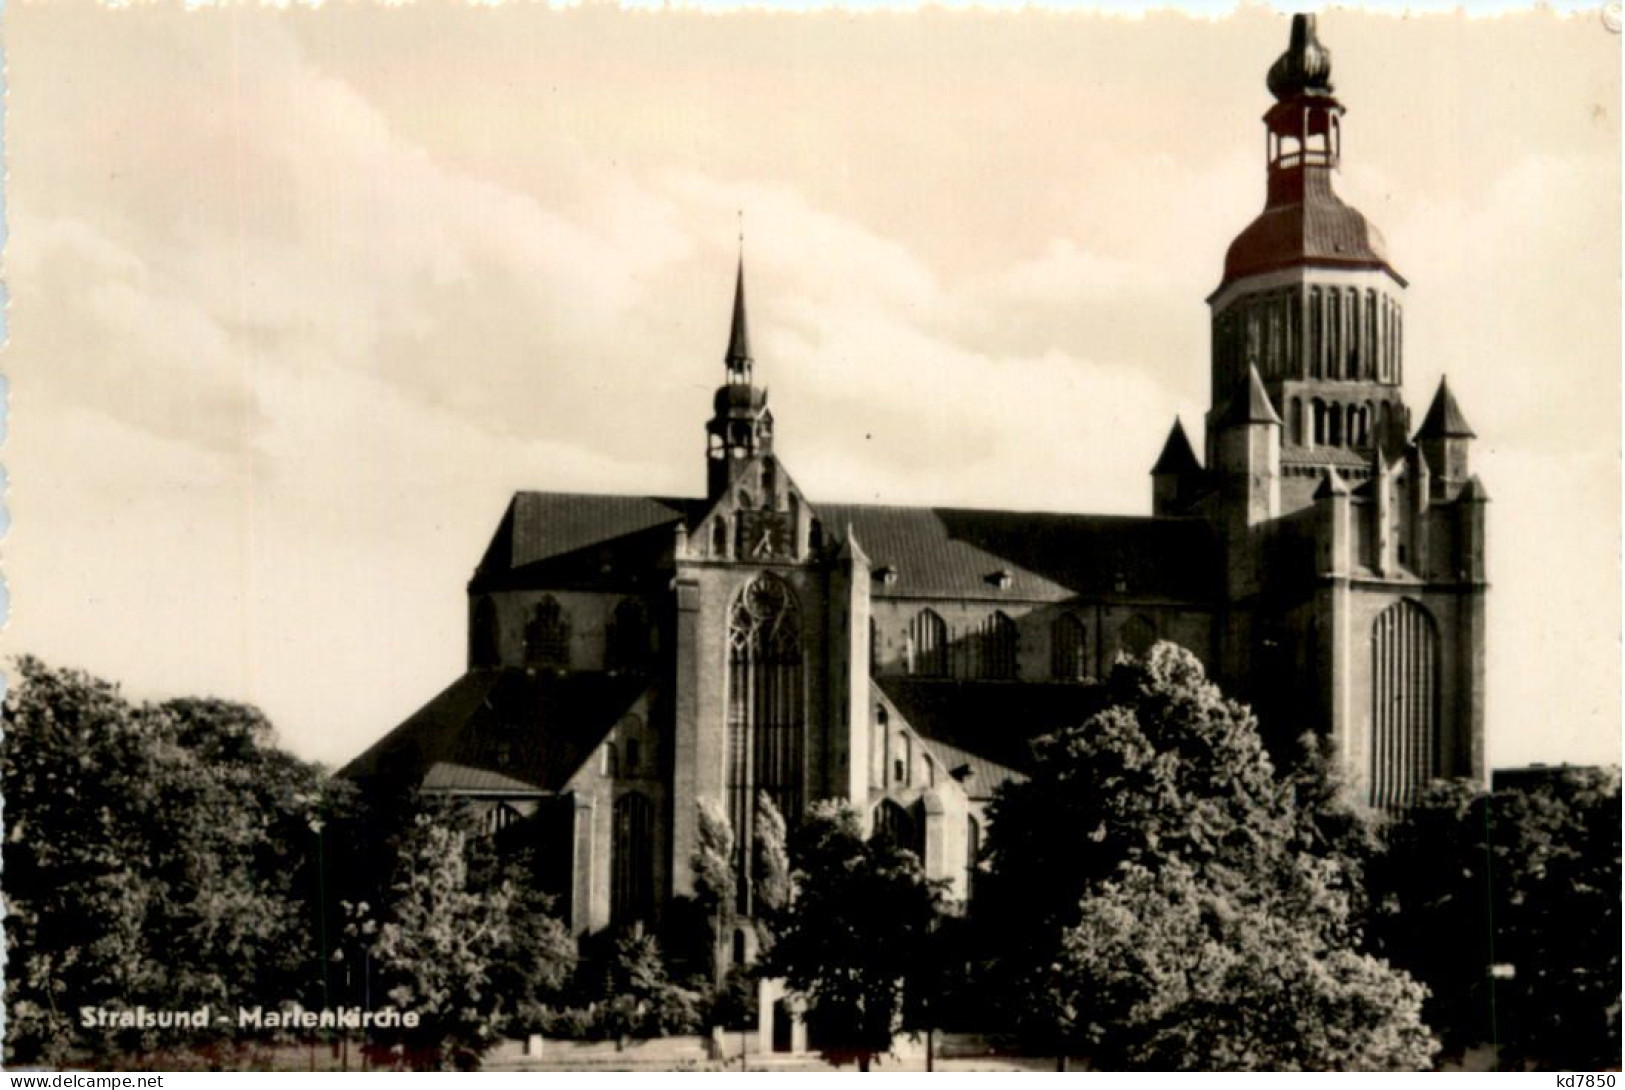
(763, 534)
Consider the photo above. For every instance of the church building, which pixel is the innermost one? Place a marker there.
(631, 656)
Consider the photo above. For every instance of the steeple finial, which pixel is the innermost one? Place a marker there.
(1305, 67)
(738, 357)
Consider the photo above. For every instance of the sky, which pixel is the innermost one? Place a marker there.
(299, 298)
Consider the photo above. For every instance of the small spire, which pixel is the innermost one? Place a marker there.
(1331, 485)
(1250, 406)
(738, 357)
(1444, 419)
(1177, 458)
(1305, 67)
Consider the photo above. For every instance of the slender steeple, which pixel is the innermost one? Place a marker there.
(741, 426)
(738, 357)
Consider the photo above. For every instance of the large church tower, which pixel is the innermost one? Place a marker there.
(1354, 579)
(1309, 298)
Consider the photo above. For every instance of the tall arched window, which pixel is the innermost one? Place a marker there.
(1068, 648)
(1137, 635)
(482, 634)
(928, 636)
(719, 537)
(766, 710)
(1315, 347)
(1334, 333)
(627, 646)
(1368, 368)
(632, 859)
(999, 647)
(1404, 704)
(547, 636)
(1297, 421)
(1319, 409)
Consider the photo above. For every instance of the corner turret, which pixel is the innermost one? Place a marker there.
(1444, 438)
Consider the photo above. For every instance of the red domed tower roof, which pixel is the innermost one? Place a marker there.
(1304, 222)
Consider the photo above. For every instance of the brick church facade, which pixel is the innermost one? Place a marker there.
(630, 656)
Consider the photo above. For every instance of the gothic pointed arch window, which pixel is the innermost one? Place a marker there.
(766, 710)
(632, 859)
(1404, 704)
(483, 647)
(719, 537)
(999, 639)
(1068, 648)
(628, 643)
(928, 644)
(547, 634)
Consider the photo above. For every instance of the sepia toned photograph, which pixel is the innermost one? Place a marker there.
(597, 538)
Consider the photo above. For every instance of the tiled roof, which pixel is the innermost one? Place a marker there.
(1318, 230)
(578, 535)
(532, 729)
(933, 551)
(1340, 457)
(988, 725)
(456, 778)
(939, 552)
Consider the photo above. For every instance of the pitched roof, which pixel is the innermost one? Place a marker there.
(1444, 419)
(941, 552)
(461, 779)
(495, 726)
(1177, 458)
(574, 535)
(988, 724)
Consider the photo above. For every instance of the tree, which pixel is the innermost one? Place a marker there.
(1153, 861)
(1167, 971)
(770, 869)
(156, 855)
(1506, 905)
(636, 996)
(461, 939)
(855, 932)
(716, 890)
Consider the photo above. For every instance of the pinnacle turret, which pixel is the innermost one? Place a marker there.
(1444, 419)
